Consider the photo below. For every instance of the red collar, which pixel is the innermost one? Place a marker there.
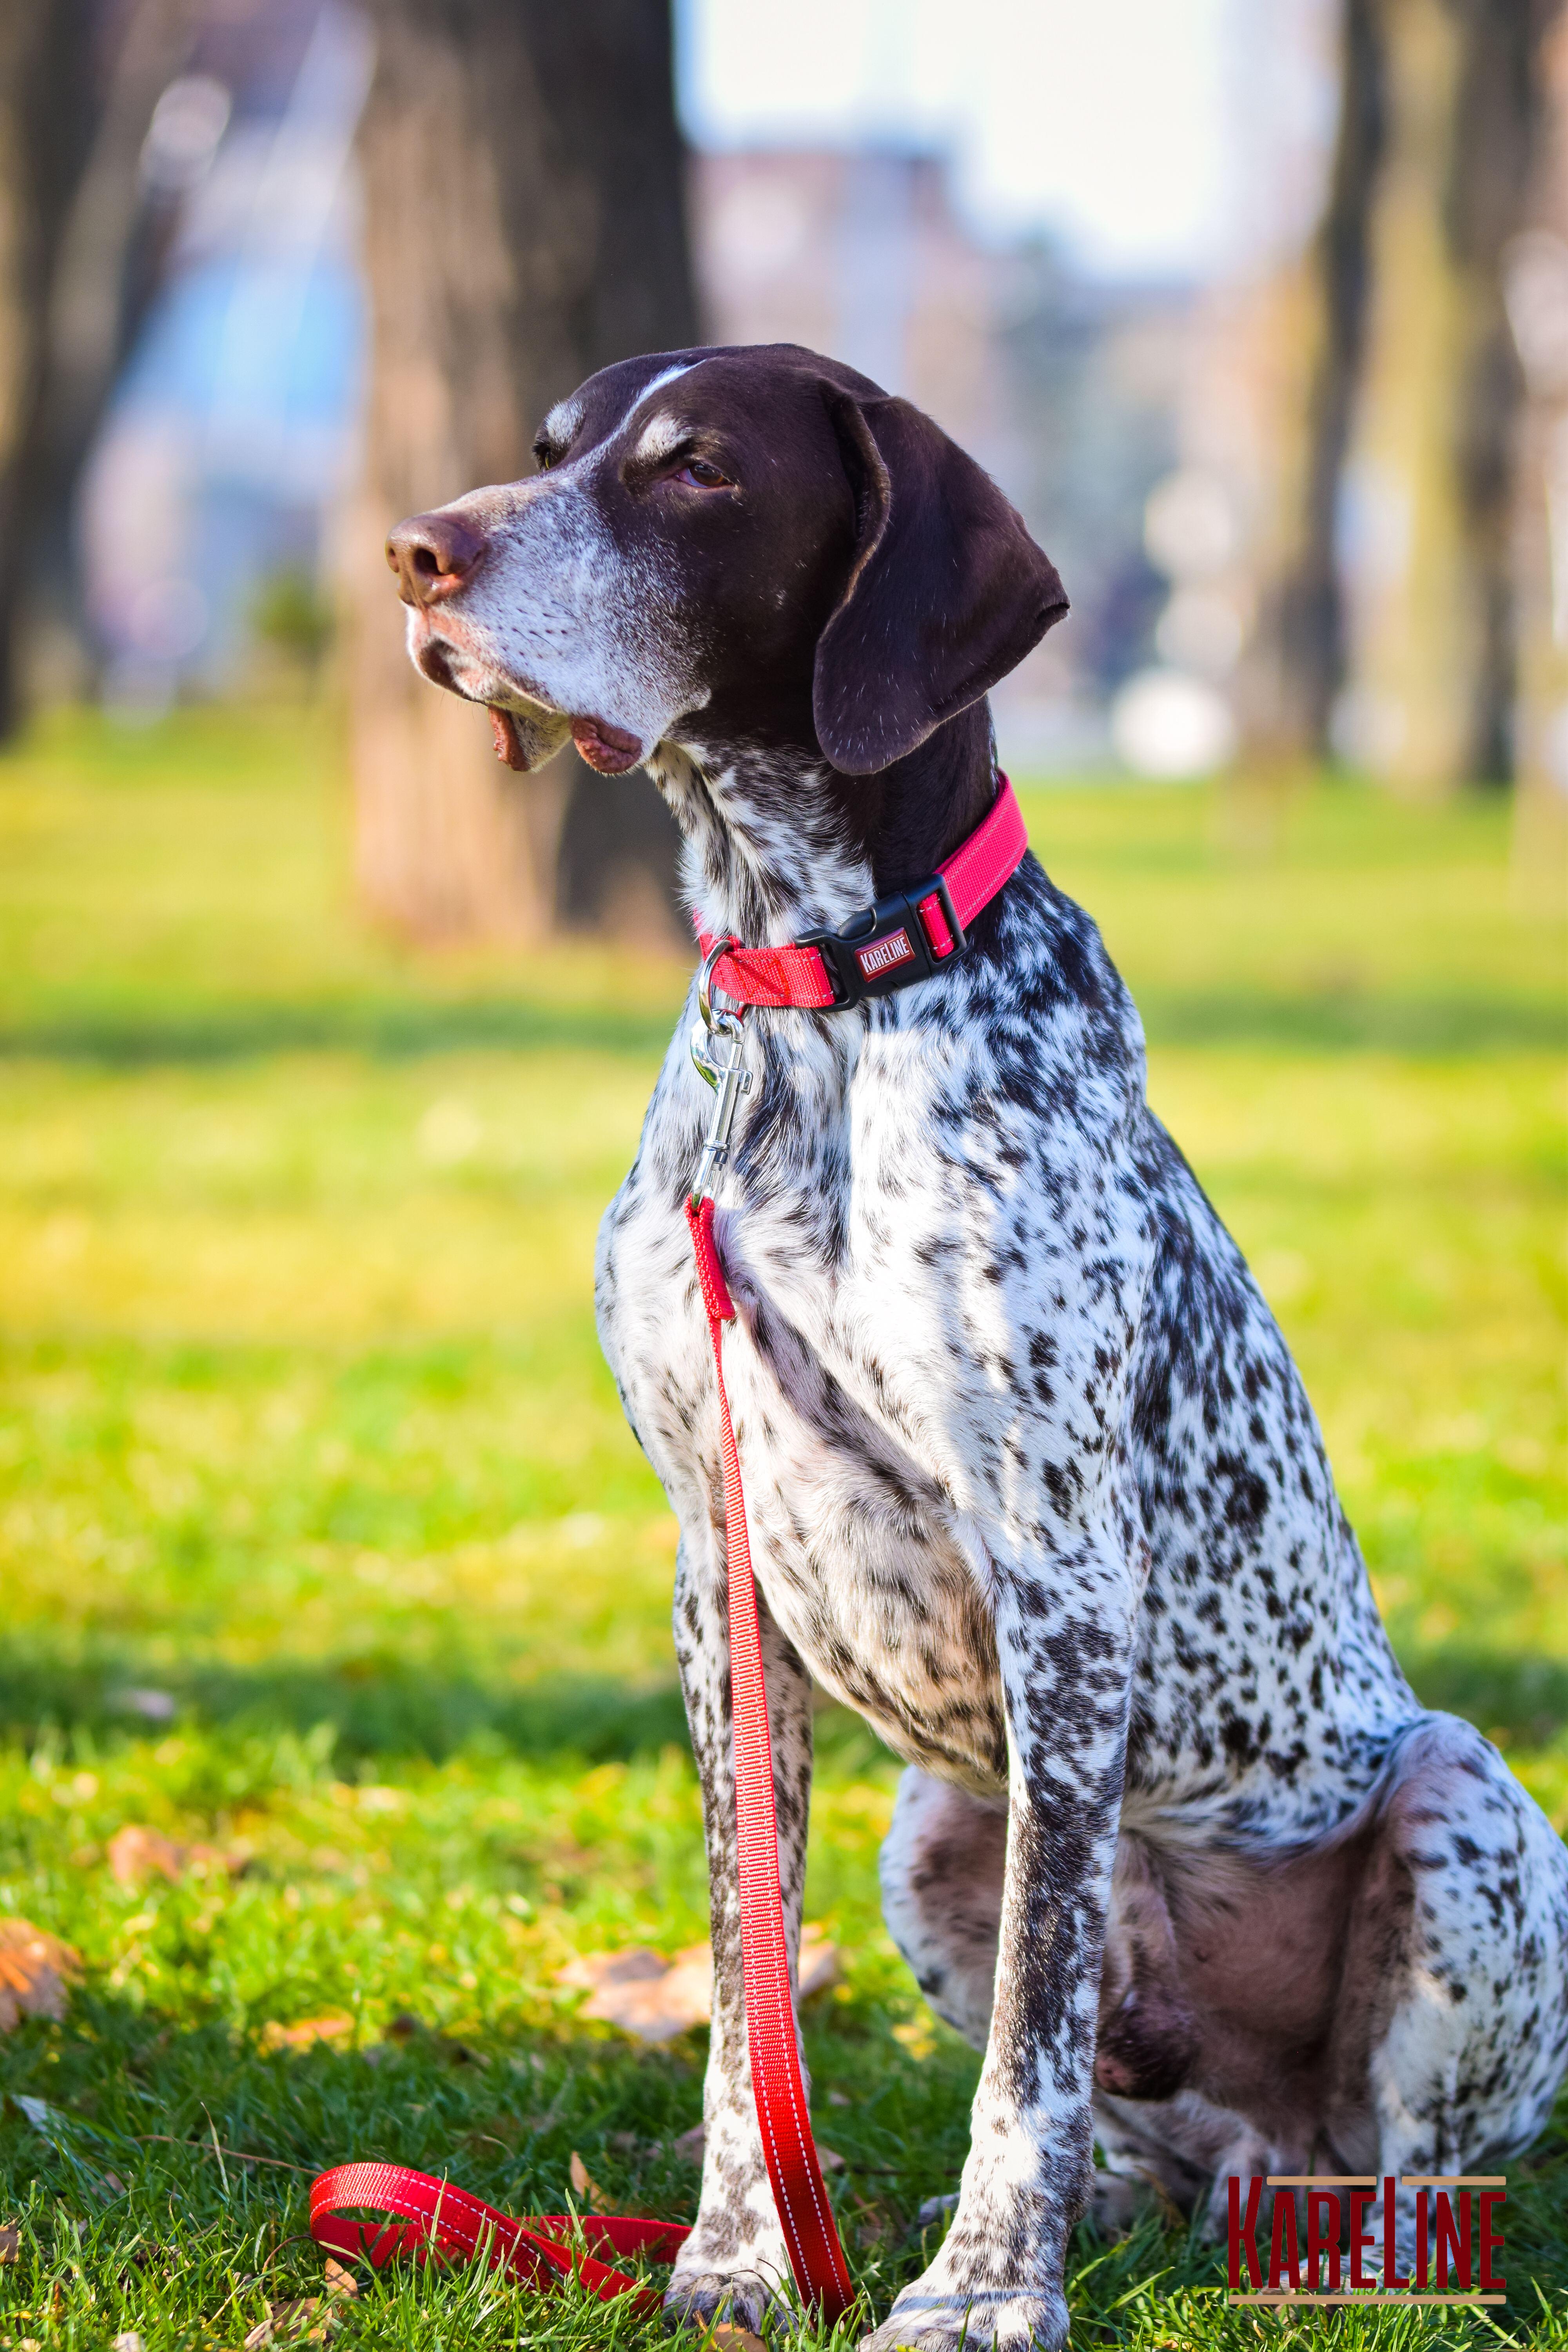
(904, 936)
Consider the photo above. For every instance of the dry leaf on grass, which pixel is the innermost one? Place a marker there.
(726, 2337)
(655, 1999)
(340, 2280)
(137, 1852)
(128, 2340)
(586, 2187)
(310, 2030)
(292, 2323)
(10, 2242)
(34, 1968)
(588, 1971)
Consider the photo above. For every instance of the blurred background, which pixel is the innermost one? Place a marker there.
(1258, 312)
(337, 1701)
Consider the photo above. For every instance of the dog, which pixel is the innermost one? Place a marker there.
(1032, 1479)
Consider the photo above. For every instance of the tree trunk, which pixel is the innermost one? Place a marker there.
(1395, 627)
(45, 130)
(1536, 276)
(1499, 126)
(524, 226)
(78, 82)
(1311, 621)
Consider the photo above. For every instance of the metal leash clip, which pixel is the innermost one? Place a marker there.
(717, 1049)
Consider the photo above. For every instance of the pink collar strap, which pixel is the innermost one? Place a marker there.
(905, 937)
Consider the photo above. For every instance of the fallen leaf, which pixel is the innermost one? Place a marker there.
(658, 2000)
(829, 2158)
(692, 2143)
(586, 2187)
(340, 2280)
(10, 2242)
(727, 2337)
(128, 2340)
(34, 1968)
(588, 1971)
(289, 2322)
(137, 1852)
(309, 2031)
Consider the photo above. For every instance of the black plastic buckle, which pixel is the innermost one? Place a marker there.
(844, 954)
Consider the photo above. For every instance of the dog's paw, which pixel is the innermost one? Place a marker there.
(943, 2320)
(743, 2298)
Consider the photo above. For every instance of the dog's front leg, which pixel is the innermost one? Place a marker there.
(735, 2257)
(1064, 1640)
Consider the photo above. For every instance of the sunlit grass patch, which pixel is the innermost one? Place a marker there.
(324, 1546)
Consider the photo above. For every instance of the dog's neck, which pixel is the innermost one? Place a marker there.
(778, 844)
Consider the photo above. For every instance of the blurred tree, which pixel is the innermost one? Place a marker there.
(78, 82)
(1536, 284)
(524, 224)
(1396, 624)
(46, 126)
(1313, 652)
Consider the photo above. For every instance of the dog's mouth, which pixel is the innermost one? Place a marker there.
(608, 749)
(508, 745)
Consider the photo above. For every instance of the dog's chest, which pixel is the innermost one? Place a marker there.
(851, 1441)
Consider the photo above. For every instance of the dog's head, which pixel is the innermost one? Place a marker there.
(730, 545)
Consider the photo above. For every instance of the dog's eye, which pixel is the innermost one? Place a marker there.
(545, 455)
(698, 475)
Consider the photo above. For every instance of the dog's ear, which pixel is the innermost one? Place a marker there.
(946, 593)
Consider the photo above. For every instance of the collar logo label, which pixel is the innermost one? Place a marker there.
(1313, 2242)
(883, 954)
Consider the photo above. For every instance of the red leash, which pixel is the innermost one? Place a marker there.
(905, 937)
(433, 2218)
(816, 2256)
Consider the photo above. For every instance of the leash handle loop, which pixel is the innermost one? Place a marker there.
(433, 2219)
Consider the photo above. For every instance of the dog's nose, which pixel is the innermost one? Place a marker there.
(432, 554)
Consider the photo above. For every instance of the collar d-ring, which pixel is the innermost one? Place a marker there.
(705, 984)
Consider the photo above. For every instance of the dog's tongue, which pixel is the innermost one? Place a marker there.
(508, 747)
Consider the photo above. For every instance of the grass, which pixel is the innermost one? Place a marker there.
(304, 1427)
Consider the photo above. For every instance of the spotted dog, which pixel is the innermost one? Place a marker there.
(1033, 1481)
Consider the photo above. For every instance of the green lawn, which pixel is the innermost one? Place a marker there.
(303, 1425)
